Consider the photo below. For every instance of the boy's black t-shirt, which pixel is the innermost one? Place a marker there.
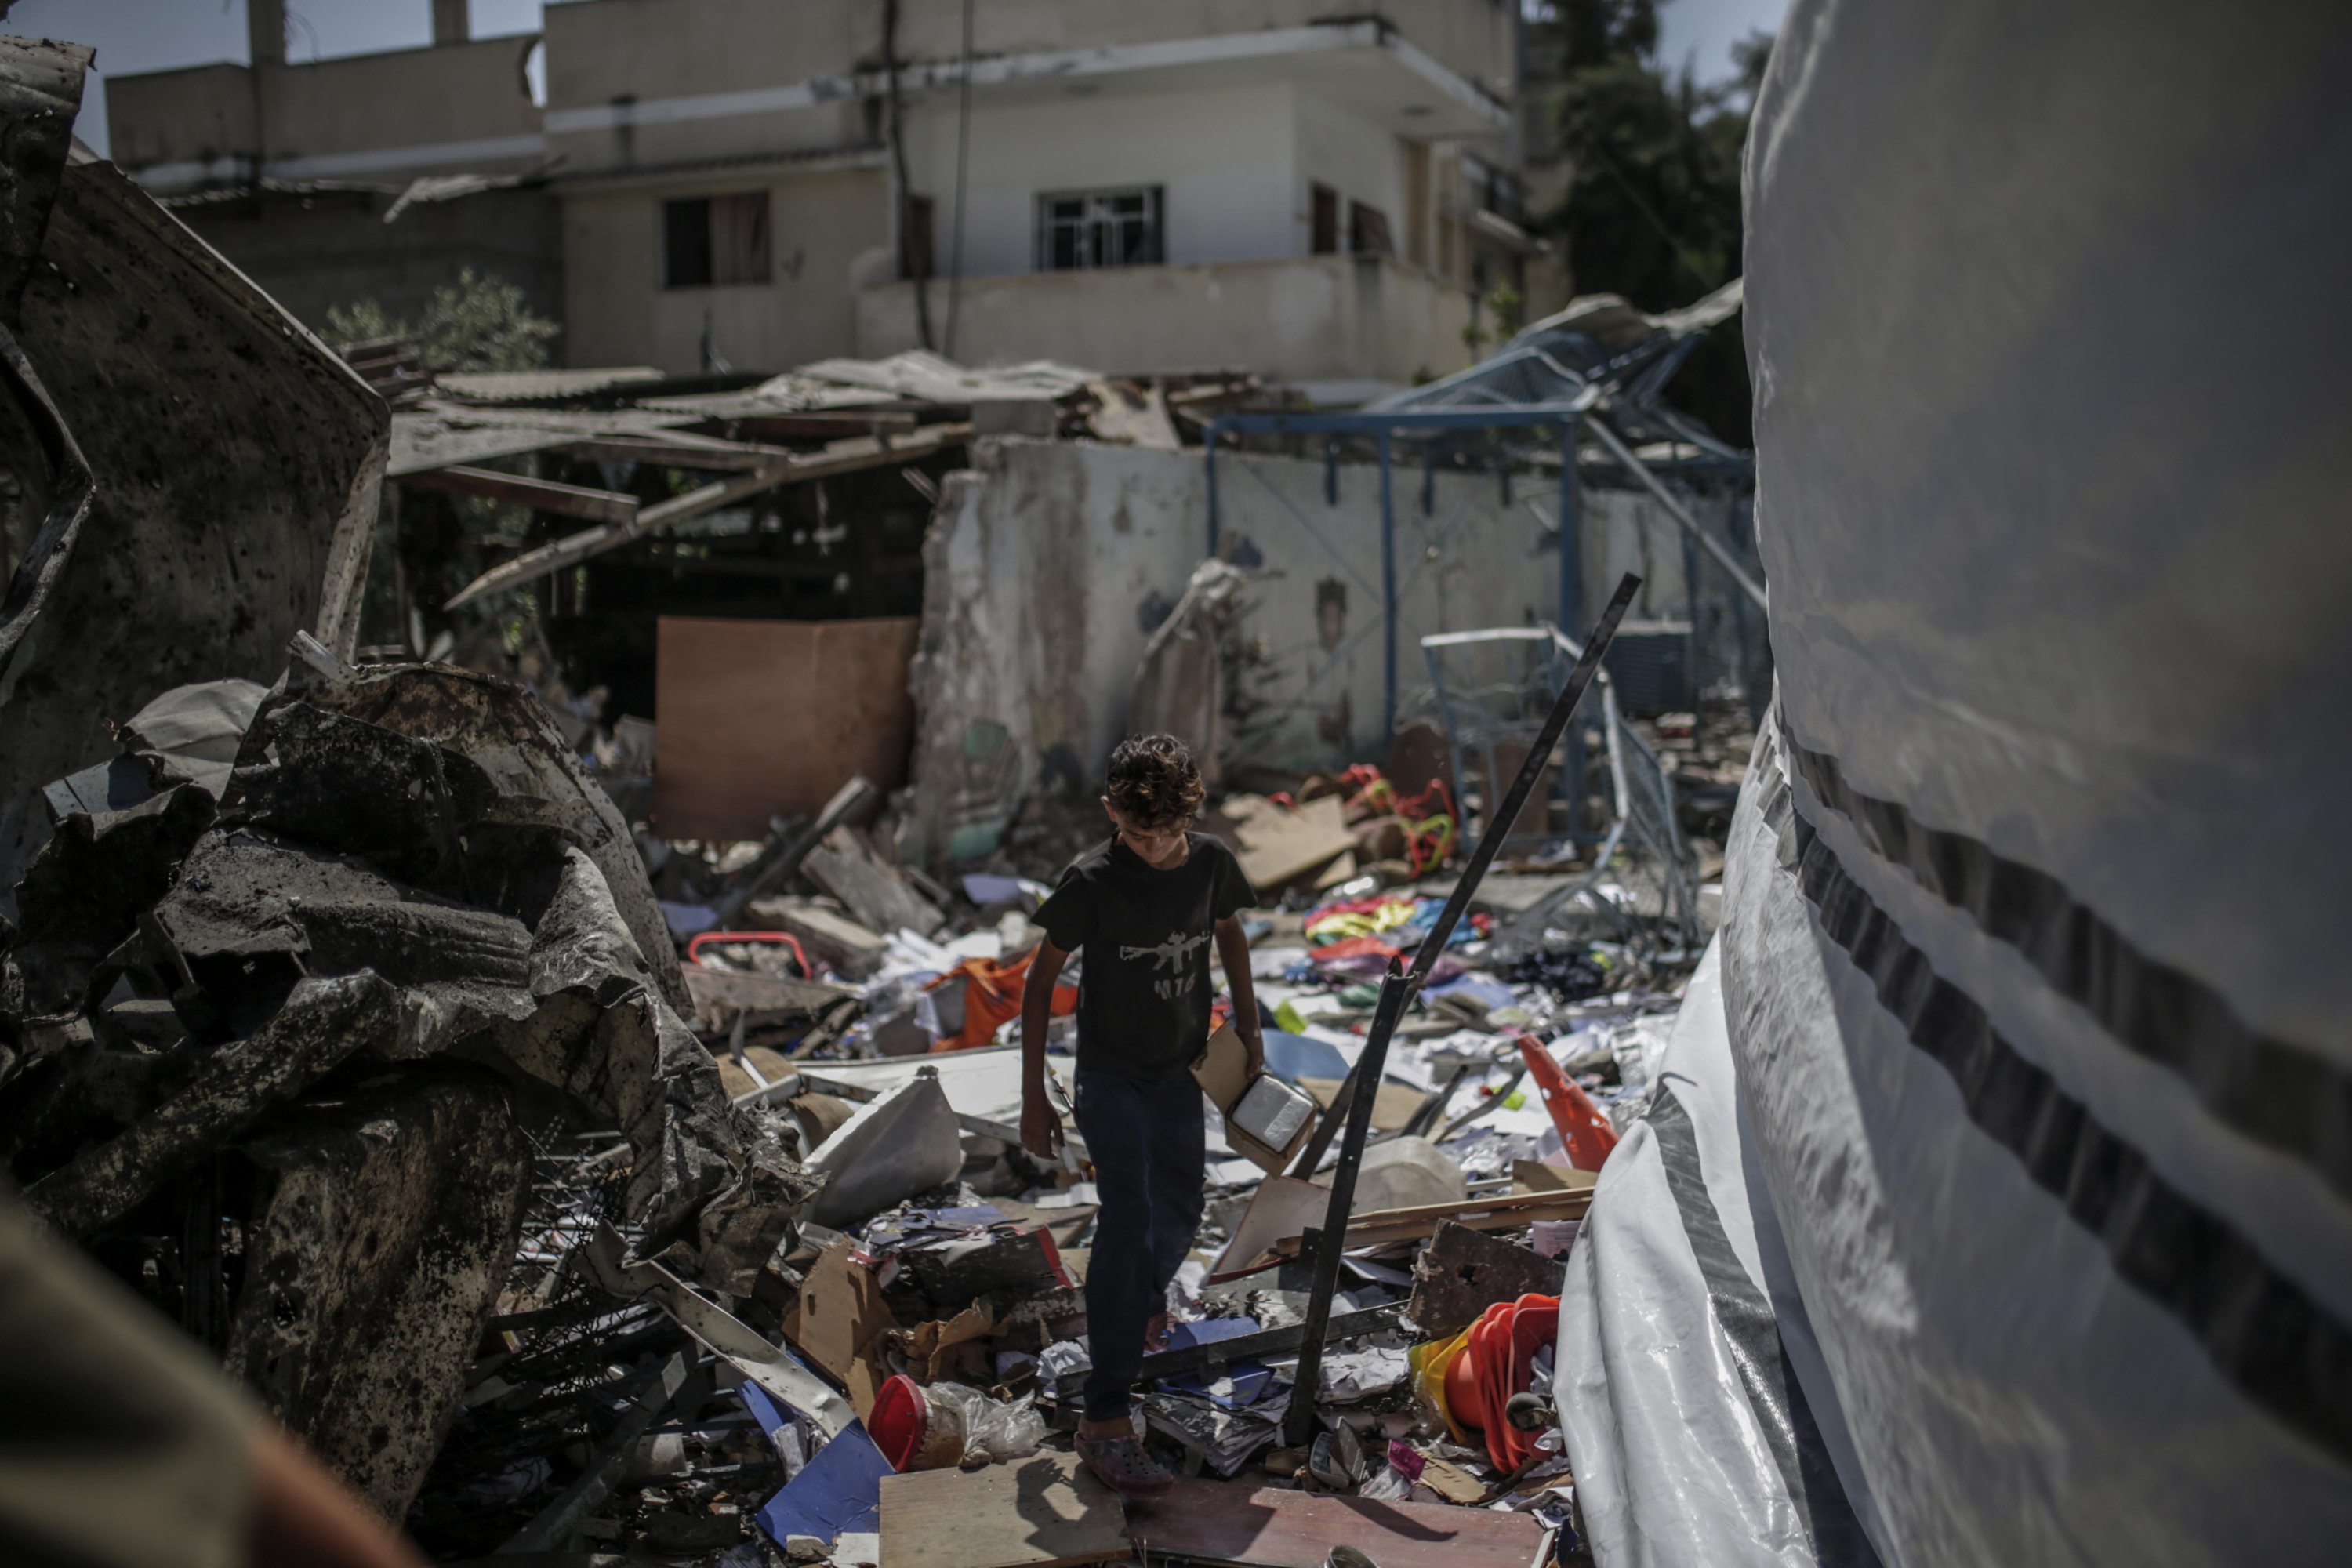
(1144, 993)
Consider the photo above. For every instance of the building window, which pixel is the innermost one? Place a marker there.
(1324, 238)
(1367, 231)
(714, 239)
(1099, 228)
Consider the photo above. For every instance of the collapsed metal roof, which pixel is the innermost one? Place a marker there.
(1600, 340)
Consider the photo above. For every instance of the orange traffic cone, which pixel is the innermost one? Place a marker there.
(1583, 1128)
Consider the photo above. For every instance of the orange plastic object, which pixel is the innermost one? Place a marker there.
(991, 993)
(1497, 1362)
(1583, 1128)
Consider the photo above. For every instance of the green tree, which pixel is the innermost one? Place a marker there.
(478, 323)
(1652, 211)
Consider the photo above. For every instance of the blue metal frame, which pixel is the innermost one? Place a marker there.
(1385, 427)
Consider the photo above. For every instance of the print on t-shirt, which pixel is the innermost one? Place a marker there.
(1170, 954)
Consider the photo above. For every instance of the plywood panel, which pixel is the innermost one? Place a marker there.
(1041, 1512)
(1211, 1521)
(761, 719)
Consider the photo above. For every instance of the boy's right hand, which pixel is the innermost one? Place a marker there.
(1040, 1127)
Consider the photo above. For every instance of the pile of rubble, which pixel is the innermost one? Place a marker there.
(342, 1016)
(934, 1283)
(345, 1024)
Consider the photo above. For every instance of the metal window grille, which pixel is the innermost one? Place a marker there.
(1084, 229)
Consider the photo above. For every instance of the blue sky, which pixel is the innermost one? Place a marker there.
(156, 35)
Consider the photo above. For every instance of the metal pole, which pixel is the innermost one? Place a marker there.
(1571, 607)
(1679, 513)
(1216, 433)
(1396, 989)
(1571, 540)
(1388, 594)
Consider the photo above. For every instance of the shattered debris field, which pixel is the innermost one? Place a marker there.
(600, 1142)
(352, 1035)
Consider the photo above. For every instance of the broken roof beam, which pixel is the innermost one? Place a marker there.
(836, 458)
(545, 495)
(824, 422)
(688, 453)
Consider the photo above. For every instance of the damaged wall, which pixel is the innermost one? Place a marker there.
(225, 441)
(1051, 563)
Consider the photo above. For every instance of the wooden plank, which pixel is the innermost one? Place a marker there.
(1479, 1213)
(545, 495)
(763, 999)
(817, 422)
(1042, 1512)
(834, 458)
(1503, 1203)
(768, 719)
(1461, 1273)
(1266, 1526)
(680, 452)
(844, 868)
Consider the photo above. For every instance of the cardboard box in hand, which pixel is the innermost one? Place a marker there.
(1256, 1108)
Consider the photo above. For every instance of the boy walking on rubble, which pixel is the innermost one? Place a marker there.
(1143, 907)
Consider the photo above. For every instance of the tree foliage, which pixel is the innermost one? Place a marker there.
(1652, 210)
(478, 323)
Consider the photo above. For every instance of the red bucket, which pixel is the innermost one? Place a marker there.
(913, 1432)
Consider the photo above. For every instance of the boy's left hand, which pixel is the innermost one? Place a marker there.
(1254, 1040)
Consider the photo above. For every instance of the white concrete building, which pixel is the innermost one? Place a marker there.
(1206, 184)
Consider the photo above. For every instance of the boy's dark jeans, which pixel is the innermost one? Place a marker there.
(1147, 1144)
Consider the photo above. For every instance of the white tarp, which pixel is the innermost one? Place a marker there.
(2033, 971)
(1682, 1343)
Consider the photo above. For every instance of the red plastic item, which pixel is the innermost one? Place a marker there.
(1583, 1128)
(1498, 1362)
(897, 1421)
(694, 947)
(1357, 947)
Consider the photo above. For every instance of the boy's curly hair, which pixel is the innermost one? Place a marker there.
(1154, 782)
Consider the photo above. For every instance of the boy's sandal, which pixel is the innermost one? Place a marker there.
(1123, 1465)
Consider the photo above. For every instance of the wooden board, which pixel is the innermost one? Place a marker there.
(1040, 1513)
(1218, 1521)
(763, 719)
(720, 993)
(877, 894)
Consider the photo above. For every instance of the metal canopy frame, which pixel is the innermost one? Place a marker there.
(1385, 427)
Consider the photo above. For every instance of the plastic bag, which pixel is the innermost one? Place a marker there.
(993, 1430)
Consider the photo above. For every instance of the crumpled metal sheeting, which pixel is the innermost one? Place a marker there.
(224, 441)
(506, 731)
(392, 1222)
(244, 894)
(323, 1022)
(82, 895)
(401, 802)
(603, 1036)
